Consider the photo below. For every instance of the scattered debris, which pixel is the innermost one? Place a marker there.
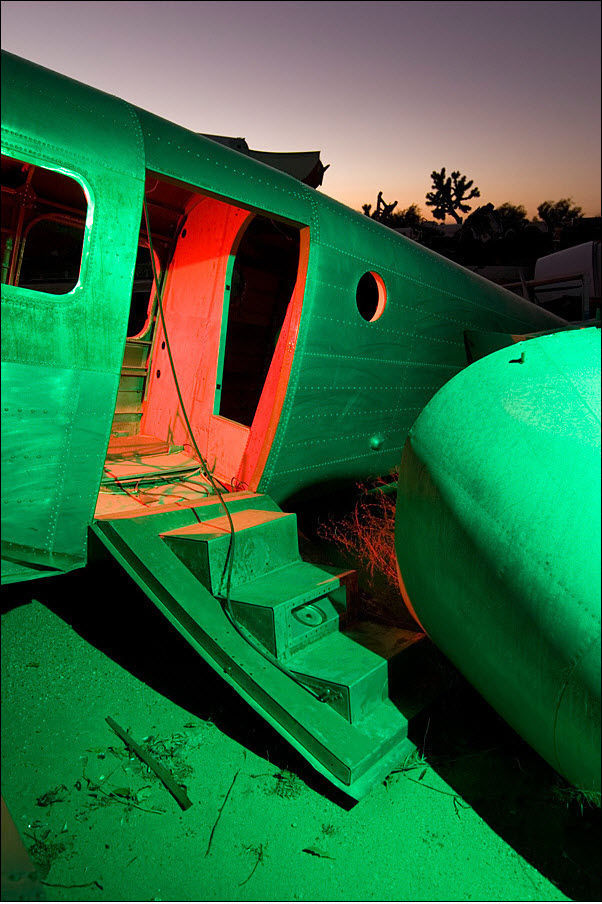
(459, 804)
(414, 760)
(54, 796)
(219, 813)
(174, 789)
(102, 797)
(259, 852)
(171, 749)
(124, 796)
(43, 851)
(328, 829)
(288, 784)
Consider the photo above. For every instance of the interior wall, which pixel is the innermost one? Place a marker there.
(193, 306)
(194, 309)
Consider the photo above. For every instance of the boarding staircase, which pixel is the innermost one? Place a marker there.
(282, 634)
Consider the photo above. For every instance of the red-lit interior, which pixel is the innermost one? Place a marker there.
(193, 303)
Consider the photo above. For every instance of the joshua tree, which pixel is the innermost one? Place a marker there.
(383, 211)
(386, 214)
(450, 194)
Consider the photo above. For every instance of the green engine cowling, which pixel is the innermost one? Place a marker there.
(498, 538)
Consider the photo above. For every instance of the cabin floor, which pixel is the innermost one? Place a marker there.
(475, 816)
(143, 474)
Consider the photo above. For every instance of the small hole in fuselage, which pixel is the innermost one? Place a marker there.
(371, 296)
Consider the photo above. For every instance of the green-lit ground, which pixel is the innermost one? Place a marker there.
(485, 820)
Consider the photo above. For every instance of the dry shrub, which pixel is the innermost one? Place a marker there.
(366, 537)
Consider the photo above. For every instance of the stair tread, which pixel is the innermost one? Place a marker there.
(220, 526)
(283, 586)
(337, 658)
(140, 444)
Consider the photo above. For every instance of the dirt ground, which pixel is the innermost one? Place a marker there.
(477, 816)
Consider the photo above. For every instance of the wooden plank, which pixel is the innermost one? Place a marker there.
(168, 780)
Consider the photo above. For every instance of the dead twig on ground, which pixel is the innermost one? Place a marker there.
(259, 854)
(81, 885)
(54, 796)
(121, 796)
(316, 852)
(459, 804)
(162, 774)
(219, 812)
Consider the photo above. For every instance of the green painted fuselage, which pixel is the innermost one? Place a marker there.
(337, 379)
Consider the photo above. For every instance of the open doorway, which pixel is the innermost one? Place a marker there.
(264, 273)
(232, 285)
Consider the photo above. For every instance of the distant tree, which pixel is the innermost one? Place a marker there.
(411, 217)
(482, 224)
(557, 214)
(511, 217)
(367, 208)
(431, 235)
(450, 195)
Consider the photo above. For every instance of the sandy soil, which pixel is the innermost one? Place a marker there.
(481, 817)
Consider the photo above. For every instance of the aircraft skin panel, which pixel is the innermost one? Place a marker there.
(53, 448)
(213, 168)
(67, 349)
(53, 114)
(395, 363)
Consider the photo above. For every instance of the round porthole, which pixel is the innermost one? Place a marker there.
(371, 296)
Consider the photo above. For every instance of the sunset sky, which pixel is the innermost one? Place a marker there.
(506, 92)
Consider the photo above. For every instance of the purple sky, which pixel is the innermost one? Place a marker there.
(506, 92)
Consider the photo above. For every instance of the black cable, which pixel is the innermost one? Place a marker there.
(240, 629)
(159, 292)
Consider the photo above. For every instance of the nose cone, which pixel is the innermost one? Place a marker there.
(498, 538)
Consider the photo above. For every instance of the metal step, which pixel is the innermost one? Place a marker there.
(289, 608)
(264, 541)
(354, 678)
(133, 371)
